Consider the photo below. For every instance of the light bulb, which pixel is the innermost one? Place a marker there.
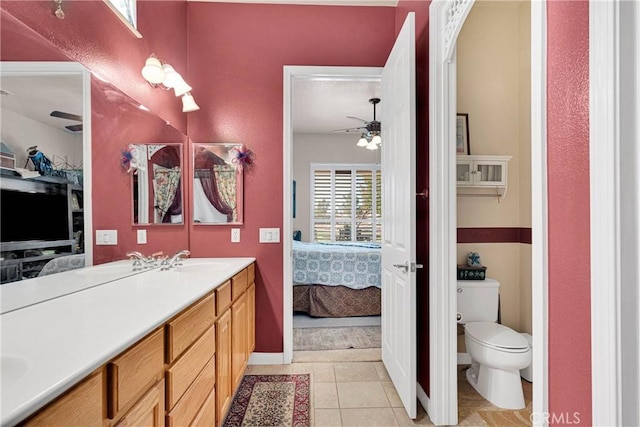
(372, 145)
(362, 142)
(181, 87)
(171, 76)
(189, 104)
(152, 70)
(376, 140)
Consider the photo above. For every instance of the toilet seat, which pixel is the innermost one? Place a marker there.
(496, 336)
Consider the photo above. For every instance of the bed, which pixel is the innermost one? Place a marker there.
(336, 279)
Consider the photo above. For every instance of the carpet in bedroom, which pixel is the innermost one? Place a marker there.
(336, 338)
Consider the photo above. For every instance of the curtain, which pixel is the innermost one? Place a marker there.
(227, 186)
(208, 180)
(165, 187)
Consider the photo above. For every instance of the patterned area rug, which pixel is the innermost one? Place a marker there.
(337, 338)
(271, 400)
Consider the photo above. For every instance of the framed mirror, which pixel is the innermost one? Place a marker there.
(157, 184)
(217, 184)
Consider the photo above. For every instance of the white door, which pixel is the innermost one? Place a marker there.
(398, 117)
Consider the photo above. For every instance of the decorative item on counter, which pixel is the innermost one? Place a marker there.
(473, 270)
(130, 158)
(473, 259)
(7, 158)
(40, 162)
(243, 157)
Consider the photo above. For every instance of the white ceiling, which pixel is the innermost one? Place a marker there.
(37, 96)
(320, 107)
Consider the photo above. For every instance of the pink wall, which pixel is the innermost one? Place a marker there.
(568, 172)
(236, 58)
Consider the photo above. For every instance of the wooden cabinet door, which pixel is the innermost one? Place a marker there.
(82, 406)
(239, 341)
(251, 324)
(224, 380)
(148, 412)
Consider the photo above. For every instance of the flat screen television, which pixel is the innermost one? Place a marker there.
(33, 215)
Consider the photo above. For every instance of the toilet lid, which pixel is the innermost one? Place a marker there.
(496, 335)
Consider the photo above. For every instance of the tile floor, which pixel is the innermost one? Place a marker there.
(360, 393)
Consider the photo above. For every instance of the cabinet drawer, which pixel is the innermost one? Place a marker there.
(223, 297)
(251, 272)
(131, 374)
(187, 407)
(81, 406)
(186, 369)
(239, 283)
(149, 411)
(207, 415)
(188, 326)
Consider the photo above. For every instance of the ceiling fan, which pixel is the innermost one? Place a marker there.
(370, 130)
(69, 116)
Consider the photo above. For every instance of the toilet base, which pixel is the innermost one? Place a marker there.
(500, 387)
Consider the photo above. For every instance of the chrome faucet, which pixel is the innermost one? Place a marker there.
(175, 260)
(141, 262)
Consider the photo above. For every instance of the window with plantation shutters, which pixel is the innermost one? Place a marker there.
(346, 203)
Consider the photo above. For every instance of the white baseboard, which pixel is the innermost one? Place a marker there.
(422, 397)
(266, 359)
(464, 359)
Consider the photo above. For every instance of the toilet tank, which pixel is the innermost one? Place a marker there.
(477, 300)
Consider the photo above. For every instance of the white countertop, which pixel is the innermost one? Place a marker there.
(50, 346)
(23, 293)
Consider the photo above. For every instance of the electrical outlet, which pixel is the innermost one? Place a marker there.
(142, 237)
(235, 235)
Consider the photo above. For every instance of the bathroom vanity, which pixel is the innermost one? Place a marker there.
(154, 348)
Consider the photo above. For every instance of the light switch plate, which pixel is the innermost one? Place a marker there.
(142, 237)
(107, 237)
(269, 235)
(235, 235)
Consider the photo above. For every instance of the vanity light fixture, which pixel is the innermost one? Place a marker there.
(163, 75)
(188, 103)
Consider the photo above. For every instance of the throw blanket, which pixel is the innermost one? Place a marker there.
(349, 265)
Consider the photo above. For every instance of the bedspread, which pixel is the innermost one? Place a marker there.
(356, 266)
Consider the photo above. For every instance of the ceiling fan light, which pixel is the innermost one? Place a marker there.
(152, 70)
(372, 145)
(363, 141)
(376, 140)
(189, 104)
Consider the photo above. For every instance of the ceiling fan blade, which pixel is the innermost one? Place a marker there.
(352, 130)
(68, 116)
(358, 118)
(74, 128)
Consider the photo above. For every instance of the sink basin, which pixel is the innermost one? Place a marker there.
(12, 368)
(201, 266)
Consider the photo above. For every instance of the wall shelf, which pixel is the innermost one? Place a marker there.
(482, 176)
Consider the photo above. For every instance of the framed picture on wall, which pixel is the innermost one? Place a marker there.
(462, 134)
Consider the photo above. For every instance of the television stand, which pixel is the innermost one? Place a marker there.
(24, 260)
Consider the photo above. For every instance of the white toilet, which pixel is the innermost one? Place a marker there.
(497, 352)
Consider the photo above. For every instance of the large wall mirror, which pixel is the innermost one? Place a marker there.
(157, 184)
(217, 184)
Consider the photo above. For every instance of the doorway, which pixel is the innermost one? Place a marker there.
(308, 78)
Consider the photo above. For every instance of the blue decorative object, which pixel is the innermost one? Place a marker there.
(41, 163)
(473, 259)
